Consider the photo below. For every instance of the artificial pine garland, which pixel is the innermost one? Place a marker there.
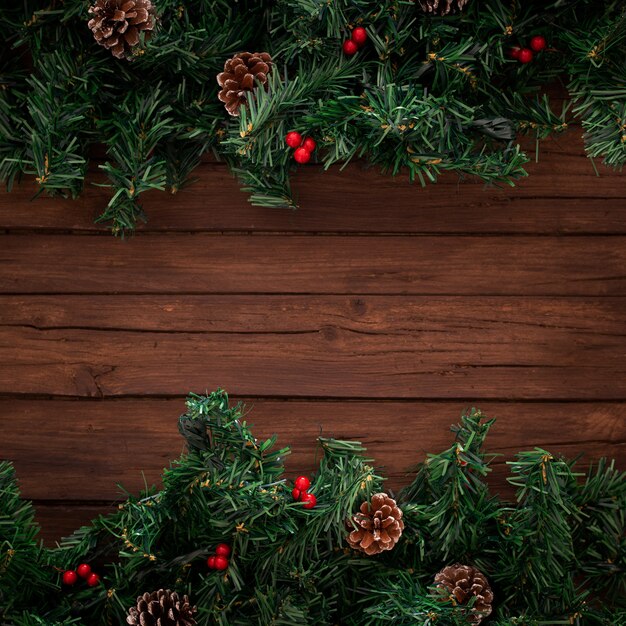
(426, 86)
(227, 541)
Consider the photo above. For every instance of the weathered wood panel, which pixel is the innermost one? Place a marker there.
(203, 263)
(562, 194)
(86, 448)
(378, 347)
(376, 312)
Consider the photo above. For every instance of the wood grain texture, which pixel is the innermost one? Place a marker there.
(116, 441)
(178, 263)
(314, 346)
(563, 194)
(378, 311)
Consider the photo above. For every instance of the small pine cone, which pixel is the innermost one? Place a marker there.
(239, 75)
(116, 24)
(442, 7)
(379, 525)
(460, 583)
(162, 608)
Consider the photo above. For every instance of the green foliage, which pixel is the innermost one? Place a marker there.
(22, 580)
(426, 95)
(555, 556)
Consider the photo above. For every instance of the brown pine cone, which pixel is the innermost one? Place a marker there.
(379, 525)
(442, 7)
(240, 75)
(162, 608)
(460, 583)
(116, 24)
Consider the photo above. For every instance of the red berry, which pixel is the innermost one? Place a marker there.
(93, 580)
(223, 549)
(211, 562)
(302, 483)
(296, 493)
(525, 55)
(309, 500)
(309, 144)
(302, 155)
(221, 563)
(538, 43)
(293, 139)
(359, 36)
(83, 570)
(514, 52)
(349, 47)
(69, 577)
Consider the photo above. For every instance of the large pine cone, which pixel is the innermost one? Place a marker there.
(379, 525)
(442, 7)
(162, 608)
(460, 583)
(239, 76)
(116, 24)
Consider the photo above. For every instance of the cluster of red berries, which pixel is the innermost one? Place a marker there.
(70, 577)
(219, 560)
(304, 147)
(525, 55)
(359, 37)
(300, 493)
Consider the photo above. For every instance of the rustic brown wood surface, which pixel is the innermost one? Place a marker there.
(378, 311)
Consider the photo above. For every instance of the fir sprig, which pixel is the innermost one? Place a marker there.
(555, 556)
(426, 94)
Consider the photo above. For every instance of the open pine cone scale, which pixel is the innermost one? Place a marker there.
(239, 77)
(162, 608)
(117, 24)
(464, 582)
(379, 525)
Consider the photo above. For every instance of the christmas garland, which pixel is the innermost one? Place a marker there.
(228, 540)
(427, 86)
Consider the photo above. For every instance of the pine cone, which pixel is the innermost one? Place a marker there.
(460, 583)
(162, 608)
(379, 525)
(116, 24)
(239, 76)
(442, 7)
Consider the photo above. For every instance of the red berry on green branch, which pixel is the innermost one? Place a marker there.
(293, 139)
(514, 52)
(69, 578)
(302, 155)
(525, 55)
(296, 493)
(221, 563)
(538, 43)
(349, 47)
(302, 483)
(211, 562)
(309, 500)
(83, 570)
(359, 36)
(223, 549)
(93, 580)
(309, 144)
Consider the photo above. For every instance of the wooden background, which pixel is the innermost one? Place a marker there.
(379, 311)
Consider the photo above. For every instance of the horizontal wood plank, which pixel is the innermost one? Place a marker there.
(85, 448)
(314, 264)
(60, 520)
(306, 346)
(563, 194)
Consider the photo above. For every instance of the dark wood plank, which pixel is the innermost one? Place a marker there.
(306, 346)
(86, 448)
(563, 194)
(60, 520)
(314, 264)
